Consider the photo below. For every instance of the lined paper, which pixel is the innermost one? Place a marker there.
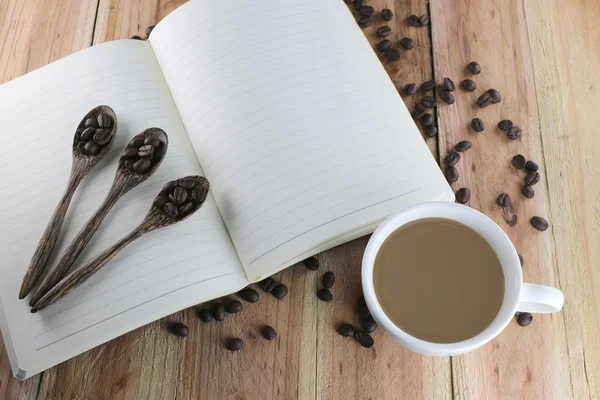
(295, 123)
(163, 272)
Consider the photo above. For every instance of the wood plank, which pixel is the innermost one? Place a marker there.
(33, 34)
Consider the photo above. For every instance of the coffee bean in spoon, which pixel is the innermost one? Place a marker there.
(102, 136)
(142, 166)
(88, 134)
(92, 148)
(91, 122)
(145, 157)
(146, 151)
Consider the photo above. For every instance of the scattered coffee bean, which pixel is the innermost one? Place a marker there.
(451, 174)
(410, 89)
(528, 191)
(387, 14)
(268, 332)
(531, 166)
(367, 11)
(427, 120)
(365, 22)
(414, 20)
(364, 339)
(514, 133)
(179, 329)
(149, 30)
(468, 85)
(324, 294)
(539, 223)
(431, 131)
(428, 86)
(449, 84)
(146, 151)
(142, 166)
(520, 259)
(233, 307)
(484, 100)
(428, 101)
(383, 45)
(136, 37)
(328, 279)
(407, 43)
(496, 98)
(358, 4)
(505, 125)
(424, 19)
(88, 134)
(268, 284)
(369, 325)
(235, 344)
(418, 112)
(311, 263)
(532, 178)
(474, 67)
(363, 311)
(279, 291)
(392, 54)
(92, 148)
(219, 312)
(463, 195)
(518, 161)
(346, 330)
(477, 125)
(447, 97)
(205, 315)
(383, 31)
(250, 295)
(452, 158)
(502, 200)
(463, 146)
(524, 319)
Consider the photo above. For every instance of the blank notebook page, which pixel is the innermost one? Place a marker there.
(294, 121)
(159, 274)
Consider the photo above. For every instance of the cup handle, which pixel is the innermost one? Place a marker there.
(540, 299)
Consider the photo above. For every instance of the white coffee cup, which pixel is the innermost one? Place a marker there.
(518, 296)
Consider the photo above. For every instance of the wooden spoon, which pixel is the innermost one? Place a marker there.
(139, 160)
(87, 151)
(177, 201)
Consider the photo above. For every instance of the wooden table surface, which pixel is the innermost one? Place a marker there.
(541, 55)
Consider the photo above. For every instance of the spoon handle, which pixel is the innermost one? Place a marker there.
(50, 236)
(79, 242)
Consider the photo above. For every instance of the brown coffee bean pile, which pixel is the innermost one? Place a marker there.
(181, 197)
(531, 178)
(94, 135)
(142, 154)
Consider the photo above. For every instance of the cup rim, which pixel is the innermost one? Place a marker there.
(484, 226)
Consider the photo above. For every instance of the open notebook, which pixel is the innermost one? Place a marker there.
(288, 113)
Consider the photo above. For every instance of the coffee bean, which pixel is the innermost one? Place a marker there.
(477, 125)
(452, 158)
(524, 319)
(418, 112)
(447, 97)
(474, 67)
(136, 142)
(91, 123)
(369, 325)
(180, 330)
(363, 311)
(268, 284)
(159, 152)
(505, 125)
(365, 22)
(136, 37)
(359, 3)
(502, 199)
(414, 20)
(146, 151)
(104, 120)
(383, 45)
(346, 330)
(539, 223)
(463, 146)
(152, 141)
(102, 136)
(205, 315)
(149, 30)
(268, 332)
(180, 195)
(279, 291)
(250, 295)
(531, 166)
(129, 152)
(468, 85)
(484, 100)
(410, 89)
(159, 201)
(532, 178)
(528, 191)
(367, 11)
(427, 120)
(496, 98)
(428, 101)
(324, 294)
(169, 187)
(518, 161)
(364, 339)
(407, 43)
(187, 207)
(328, 279)
(383, 31)
(233, 307)
(171, 209)
(92, 148)
(520, 259)
(311, 263)
(431, 131)
(88, 134)
(219, 312)
(451, 174)
(392, 54)
(386, 14)
(186, 183)
(424, 19)
(128, 164)
(428, 86)
(463, 195)
(449, 84)
(235, 344)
